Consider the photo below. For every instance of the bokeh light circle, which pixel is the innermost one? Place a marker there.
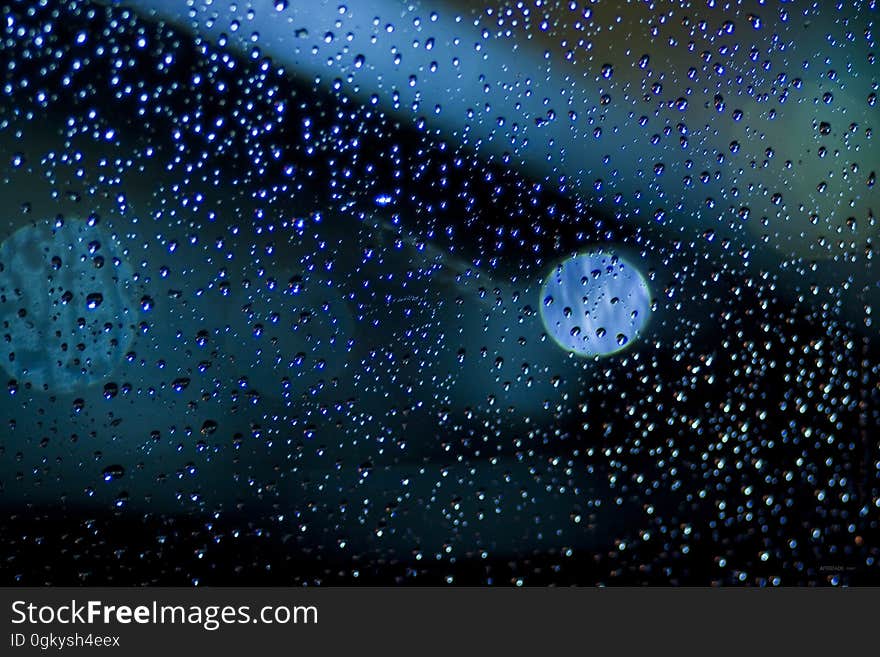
(66, 304)
(594, 304)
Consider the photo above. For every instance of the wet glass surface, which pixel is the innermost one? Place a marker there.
(517, 293)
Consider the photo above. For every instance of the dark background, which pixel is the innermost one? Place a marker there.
(241, 479)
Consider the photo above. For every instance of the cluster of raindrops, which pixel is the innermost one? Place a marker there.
(516, 293)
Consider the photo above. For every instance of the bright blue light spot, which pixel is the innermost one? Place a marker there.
(594, 304)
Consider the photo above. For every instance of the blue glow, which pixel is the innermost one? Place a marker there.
(66, 302)
(594, 304)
